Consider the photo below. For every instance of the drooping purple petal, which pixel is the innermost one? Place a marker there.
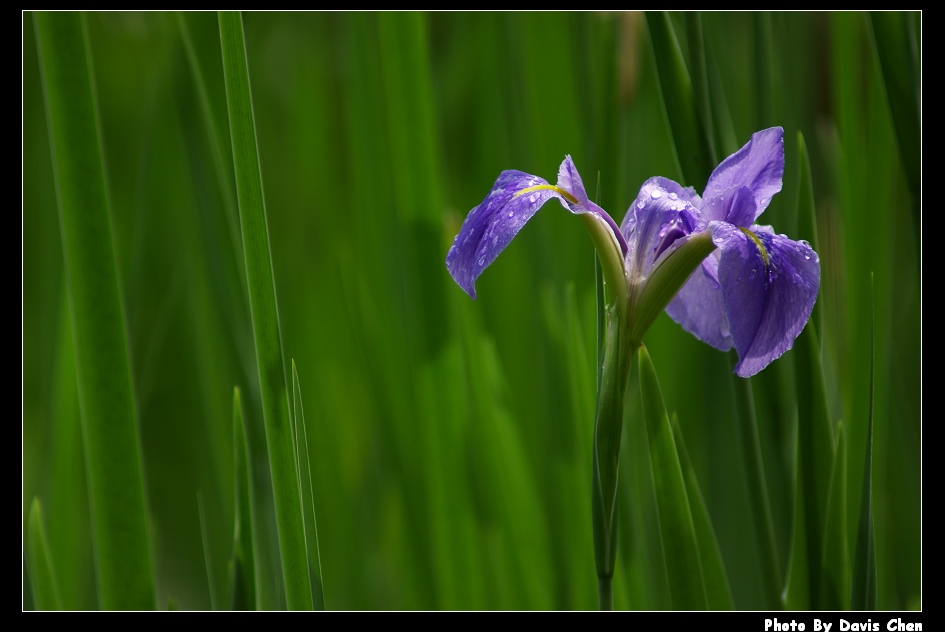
(759, 165)
(699, 307)
(769, 291)
(489, 227)
(662, 214)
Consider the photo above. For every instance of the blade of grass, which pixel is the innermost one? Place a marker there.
(806, 217)
(204, 538)
(242, 566)
(835, 568)
(265, 315)
(796, 594)
(305, 490)
(757, 488)
(106, 399)
(42, 573)
(897, 48)
(863, 592)
(815, 438)
(717, 590)
(690, 136)
(677, 532)
(67, 513)
(700, 81)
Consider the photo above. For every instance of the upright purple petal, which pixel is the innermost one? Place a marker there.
(686, 194)
(661, 215)
(759, 165)
(570, 180)
(769, 291)
(735, 205)
(489, 227)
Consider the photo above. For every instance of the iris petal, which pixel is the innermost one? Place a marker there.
(661, 215)
(489, 227)
(699, 306)
(759, 165)
(515, 197)
(767, 302)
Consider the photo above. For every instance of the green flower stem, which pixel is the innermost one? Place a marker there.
(618, 356)
(628, 313)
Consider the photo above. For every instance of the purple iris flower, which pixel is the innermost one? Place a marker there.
(756, 289)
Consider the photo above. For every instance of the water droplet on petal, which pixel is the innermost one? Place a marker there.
(482, 260)
(532, 198)
(641, 204)
(763, 201)
(511, 214)
(673, 196)
(656, 194)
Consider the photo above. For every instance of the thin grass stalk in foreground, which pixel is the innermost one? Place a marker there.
(208, 562)
(242, 566)
(306, 493)
(262, 300)
(106, 400)
(894, 35)
(690, 136)
(757, 488)
(677, 532)
(39, 559)
(835, 567)
(863, 590)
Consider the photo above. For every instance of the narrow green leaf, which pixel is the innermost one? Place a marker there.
(700, 80)
(835, 573)
(764, 70)
(208, 563)
(690, 136)
(266, 333)
(757, 487)
(863, 596)
(42, 574)
(305, 490)
(796, 594)
(106, 399)
(806, 217)
(894, 34)
(67, 511)
(815, 451)
(242, 566)
(717, 590)
(680, 550)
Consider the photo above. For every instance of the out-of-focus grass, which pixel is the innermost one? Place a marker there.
(450, 439)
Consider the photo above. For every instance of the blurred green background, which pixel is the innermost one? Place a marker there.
(451, 439)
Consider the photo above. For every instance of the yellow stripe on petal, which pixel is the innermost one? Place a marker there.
(549, 187)
(761, 247)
